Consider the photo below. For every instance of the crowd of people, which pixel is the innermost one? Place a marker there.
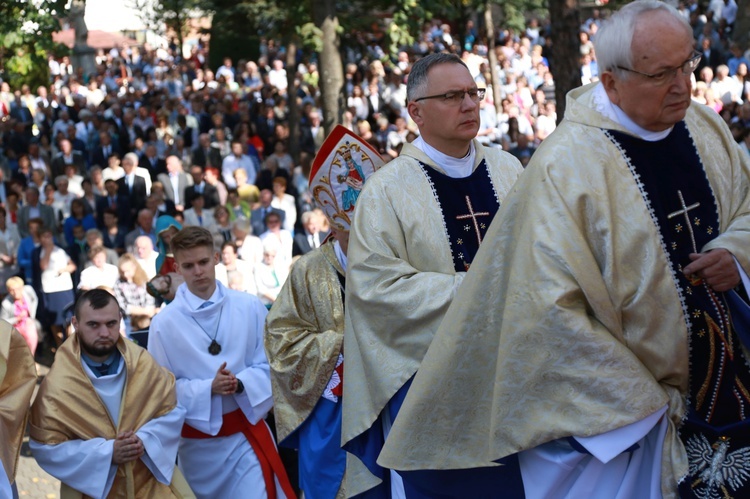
(99, 172)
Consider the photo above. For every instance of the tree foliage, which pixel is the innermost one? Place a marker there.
(26, 29)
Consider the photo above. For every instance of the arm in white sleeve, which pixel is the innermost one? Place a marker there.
(161, 437)
(257, 399)
(84, 465)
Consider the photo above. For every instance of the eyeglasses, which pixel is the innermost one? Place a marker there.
(457, 96)
(662, 77)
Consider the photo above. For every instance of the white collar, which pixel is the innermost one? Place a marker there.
(194, 301)
(453, 167)
(604, 105)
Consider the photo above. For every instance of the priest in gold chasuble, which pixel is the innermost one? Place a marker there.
(305, 327)
(418, 224)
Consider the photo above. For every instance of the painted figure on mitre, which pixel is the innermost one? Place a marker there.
(337, 193)
(354, 179)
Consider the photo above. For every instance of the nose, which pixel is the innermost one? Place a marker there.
(467, 103)
(682, 82)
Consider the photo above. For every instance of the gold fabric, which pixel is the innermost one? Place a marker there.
(17, 381)
(569, 321)
(68, 408)
(304, 334)
(400, 281)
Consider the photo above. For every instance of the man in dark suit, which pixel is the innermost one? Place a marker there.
(200, 186)
(712, 56)
(128, 131)
(184, 131)
(266, 128)
(34, 209)
(175, 175)
(67, 156)
(115, 201)
(151, 162)
(312, 237)
(205, 155)
(100, 155)
(132, 185)
(312, 134)
(258, 217)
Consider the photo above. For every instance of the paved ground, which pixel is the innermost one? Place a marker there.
(31, 480)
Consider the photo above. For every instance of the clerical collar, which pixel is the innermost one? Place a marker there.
(106, 368)
(340, 255)
(453, 167)
(195, 302)
(608, 109)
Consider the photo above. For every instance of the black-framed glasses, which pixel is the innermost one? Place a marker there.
(662, 77)
(457, 96)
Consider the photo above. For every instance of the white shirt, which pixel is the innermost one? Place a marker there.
(93, 277)
(232, 163)
(52, 280)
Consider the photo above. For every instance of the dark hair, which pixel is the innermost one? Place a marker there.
(97, 298)
(229, 243)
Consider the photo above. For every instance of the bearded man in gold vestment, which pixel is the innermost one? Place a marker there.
(106, 421)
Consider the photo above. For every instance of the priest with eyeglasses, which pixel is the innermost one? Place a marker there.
(602, 335)
(419, 222)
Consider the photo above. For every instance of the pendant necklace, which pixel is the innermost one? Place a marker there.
(214, 348)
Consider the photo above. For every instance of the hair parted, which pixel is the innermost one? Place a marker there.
(416, 84)
(140, 278)
(191, 237)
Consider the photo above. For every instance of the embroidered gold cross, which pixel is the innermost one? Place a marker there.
(684, 211)
(473, 215)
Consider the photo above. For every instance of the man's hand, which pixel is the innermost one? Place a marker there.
(224, 383)
(716, 267)
(128, 447)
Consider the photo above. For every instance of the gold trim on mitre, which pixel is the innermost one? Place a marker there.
(340, 169)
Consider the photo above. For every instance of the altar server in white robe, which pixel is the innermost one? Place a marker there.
(419, 221)
(211, 338)
(106, 422)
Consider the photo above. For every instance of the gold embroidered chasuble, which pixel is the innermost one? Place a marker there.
(400, 281)
(304, 336)
(570, 321)
(68, 408)
(17, 381)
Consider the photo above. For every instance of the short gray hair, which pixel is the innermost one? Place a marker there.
(132, 158)
(613, 42)
(242, 224)
(417, 81)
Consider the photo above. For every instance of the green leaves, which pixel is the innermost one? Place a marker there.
(26, 28)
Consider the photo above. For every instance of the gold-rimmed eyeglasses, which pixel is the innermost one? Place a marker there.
(662, 77)
(457, 96)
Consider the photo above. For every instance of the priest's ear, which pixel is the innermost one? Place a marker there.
(415, 111)
(611, 85)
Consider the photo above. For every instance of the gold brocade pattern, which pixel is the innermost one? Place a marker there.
(400, 280)
(17, 381)
(570, 321)
(68, 408)
(304, 335)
